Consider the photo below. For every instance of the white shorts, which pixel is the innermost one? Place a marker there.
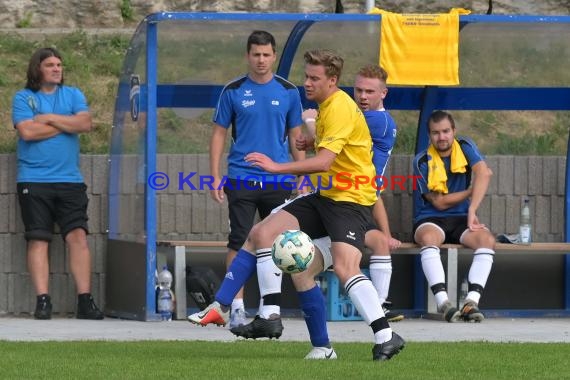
(324, 246)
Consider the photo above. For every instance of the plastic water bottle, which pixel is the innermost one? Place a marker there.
(525, 229)
(165, 301)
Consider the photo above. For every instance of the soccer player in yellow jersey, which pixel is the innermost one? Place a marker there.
(341, 209)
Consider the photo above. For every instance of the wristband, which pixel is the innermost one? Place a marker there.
(309, 119)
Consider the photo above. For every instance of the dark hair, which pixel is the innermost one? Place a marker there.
(373, 71)
(437, 116)
(331, 61)
(260, 37)
(34, 75)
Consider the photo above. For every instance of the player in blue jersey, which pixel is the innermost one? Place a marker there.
(263, 112)
(369, 93)
(48, 117)
(453, 180)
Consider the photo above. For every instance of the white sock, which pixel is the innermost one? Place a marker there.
(267, 310)
(237, 303)
(473, 296)
(480, 270)
(433, 270)
(380, 275)
(441, 298)
(363, 296)
(432, 266)
(269, 278)
(383, 335)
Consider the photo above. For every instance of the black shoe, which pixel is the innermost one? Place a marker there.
(471, 313)
(391, 316)
(43, 307)
(386, 350)
(450, 312)
(86, 308)
(260, 328)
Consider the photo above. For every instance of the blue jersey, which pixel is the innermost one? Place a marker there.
(261, 116)
(383, 131)
(55, 159)
(455, 181)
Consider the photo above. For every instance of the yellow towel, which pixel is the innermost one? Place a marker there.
(437, 177)
(420, 49)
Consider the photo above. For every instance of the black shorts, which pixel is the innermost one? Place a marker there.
(320, 216)
(43, 204)
(453, 227)
(371, 226)
(244, 199)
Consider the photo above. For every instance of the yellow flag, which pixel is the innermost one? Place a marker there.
(420, 49)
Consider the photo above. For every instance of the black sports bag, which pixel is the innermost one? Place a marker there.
(201, 285)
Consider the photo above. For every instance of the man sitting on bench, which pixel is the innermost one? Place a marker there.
(447, 199)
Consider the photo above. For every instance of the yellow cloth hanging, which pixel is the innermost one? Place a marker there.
(420, 49)
(437, 177)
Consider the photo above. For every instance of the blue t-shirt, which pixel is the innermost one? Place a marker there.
(455, 181)
(383, 131)
(55, 159)
(260, 116)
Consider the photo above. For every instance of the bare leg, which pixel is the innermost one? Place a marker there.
(79, 259)
(38, 265)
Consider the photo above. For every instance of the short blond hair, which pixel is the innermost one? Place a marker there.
(332, 62)
(373, 71)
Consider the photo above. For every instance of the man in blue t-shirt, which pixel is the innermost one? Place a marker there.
(452, 181)
(263, 112)
(48, 117)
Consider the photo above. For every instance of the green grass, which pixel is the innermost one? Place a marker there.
(278, 360)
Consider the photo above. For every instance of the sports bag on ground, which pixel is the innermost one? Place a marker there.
(201, 285)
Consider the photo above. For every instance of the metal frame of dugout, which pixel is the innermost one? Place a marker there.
(146, 86)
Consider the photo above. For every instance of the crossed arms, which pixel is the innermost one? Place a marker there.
(44, 126)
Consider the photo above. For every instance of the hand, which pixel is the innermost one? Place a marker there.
(394, 244)
(262, 161)
(309, 113)
(217, 192)
(473, 222)
(304, 142)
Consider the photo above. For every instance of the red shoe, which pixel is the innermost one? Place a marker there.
(211, 314)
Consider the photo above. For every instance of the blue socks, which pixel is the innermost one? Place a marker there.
(314, 311)
(240, 270)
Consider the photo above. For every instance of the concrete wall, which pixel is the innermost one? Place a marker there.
(191, 214)
(17, 295)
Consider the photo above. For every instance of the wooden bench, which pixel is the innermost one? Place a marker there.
(453, 250)
(175, 254)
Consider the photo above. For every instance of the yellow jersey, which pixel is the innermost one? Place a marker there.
(342, 129)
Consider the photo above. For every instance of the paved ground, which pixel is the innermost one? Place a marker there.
(418, 330)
